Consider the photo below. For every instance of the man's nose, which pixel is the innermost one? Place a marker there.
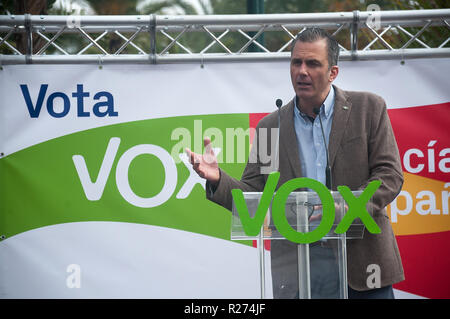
(303, 70)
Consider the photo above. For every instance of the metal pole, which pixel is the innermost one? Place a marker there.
(354, 35)
(152, 33)
(342, 256)
(255, 7)
(276, 26)
(387, 17)
(303, 259)
(29, 38)
(262, 263)
(218, 57)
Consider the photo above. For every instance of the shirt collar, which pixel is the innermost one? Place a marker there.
(327, 105)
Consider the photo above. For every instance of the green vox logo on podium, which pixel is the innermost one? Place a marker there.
(356, 208)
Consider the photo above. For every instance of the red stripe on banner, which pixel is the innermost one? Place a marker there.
(426, 262)
(423, 139)
(254, 119)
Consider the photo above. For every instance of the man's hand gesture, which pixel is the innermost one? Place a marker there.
(205, 165)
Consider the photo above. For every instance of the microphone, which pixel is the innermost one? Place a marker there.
(329, 182)
(278, 103)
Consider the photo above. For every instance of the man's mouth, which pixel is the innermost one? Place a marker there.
(302, 84)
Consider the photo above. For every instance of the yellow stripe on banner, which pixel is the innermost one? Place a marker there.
(421, 207)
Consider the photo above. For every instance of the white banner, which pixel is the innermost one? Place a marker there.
(73, 162)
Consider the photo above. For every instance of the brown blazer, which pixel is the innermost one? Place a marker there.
(362, 148)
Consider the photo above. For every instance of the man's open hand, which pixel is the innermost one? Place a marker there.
(205, 165)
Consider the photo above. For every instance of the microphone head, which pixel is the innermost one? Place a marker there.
(316, 110)
(279, 103)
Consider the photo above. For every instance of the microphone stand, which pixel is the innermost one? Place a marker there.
(328, 168)
(278, 103)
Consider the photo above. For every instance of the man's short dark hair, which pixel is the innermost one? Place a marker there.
(314, 34)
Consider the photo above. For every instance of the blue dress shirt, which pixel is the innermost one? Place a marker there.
(313, 158)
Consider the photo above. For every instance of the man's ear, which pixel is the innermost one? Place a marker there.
(334, 71)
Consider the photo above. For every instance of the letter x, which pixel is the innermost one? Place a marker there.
(357, 208)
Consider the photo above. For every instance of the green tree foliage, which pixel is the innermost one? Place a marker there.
(20, 7)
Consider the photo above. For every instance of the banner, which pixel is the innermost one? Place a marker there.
(98, 199)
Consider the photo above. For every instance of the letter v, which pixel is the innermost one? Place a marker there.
(34, 110)
(94, 191)
(252, 226)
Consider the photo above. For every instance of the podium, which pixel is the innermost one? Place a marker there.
(290, 270)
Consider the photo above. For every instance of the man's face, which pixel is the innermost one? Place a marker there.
(310, 75)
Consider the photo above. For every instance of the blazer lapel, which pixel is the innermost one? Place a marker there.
(342, 108)
(288, 138)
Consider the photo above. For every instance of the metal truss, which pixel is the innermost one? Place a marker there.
(158, 39)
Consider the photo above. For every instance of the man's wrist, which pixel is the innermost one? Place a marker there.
(212, 185)
(214, 182)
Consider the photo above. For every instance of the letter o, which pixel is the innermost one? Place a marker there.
(51, 106)
(123, 184)
(279, 213)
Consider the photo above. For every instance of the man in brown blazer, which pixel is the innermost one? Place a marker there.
(362, 148)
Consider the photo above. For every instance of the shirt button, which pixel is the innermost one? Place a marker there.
(318, 164)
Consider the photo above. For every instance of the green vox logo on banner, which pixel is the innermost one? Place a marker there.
(356, 208)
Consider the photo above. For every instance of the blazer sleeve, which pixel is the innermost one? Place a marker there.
(252, 179)
(384, 159)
